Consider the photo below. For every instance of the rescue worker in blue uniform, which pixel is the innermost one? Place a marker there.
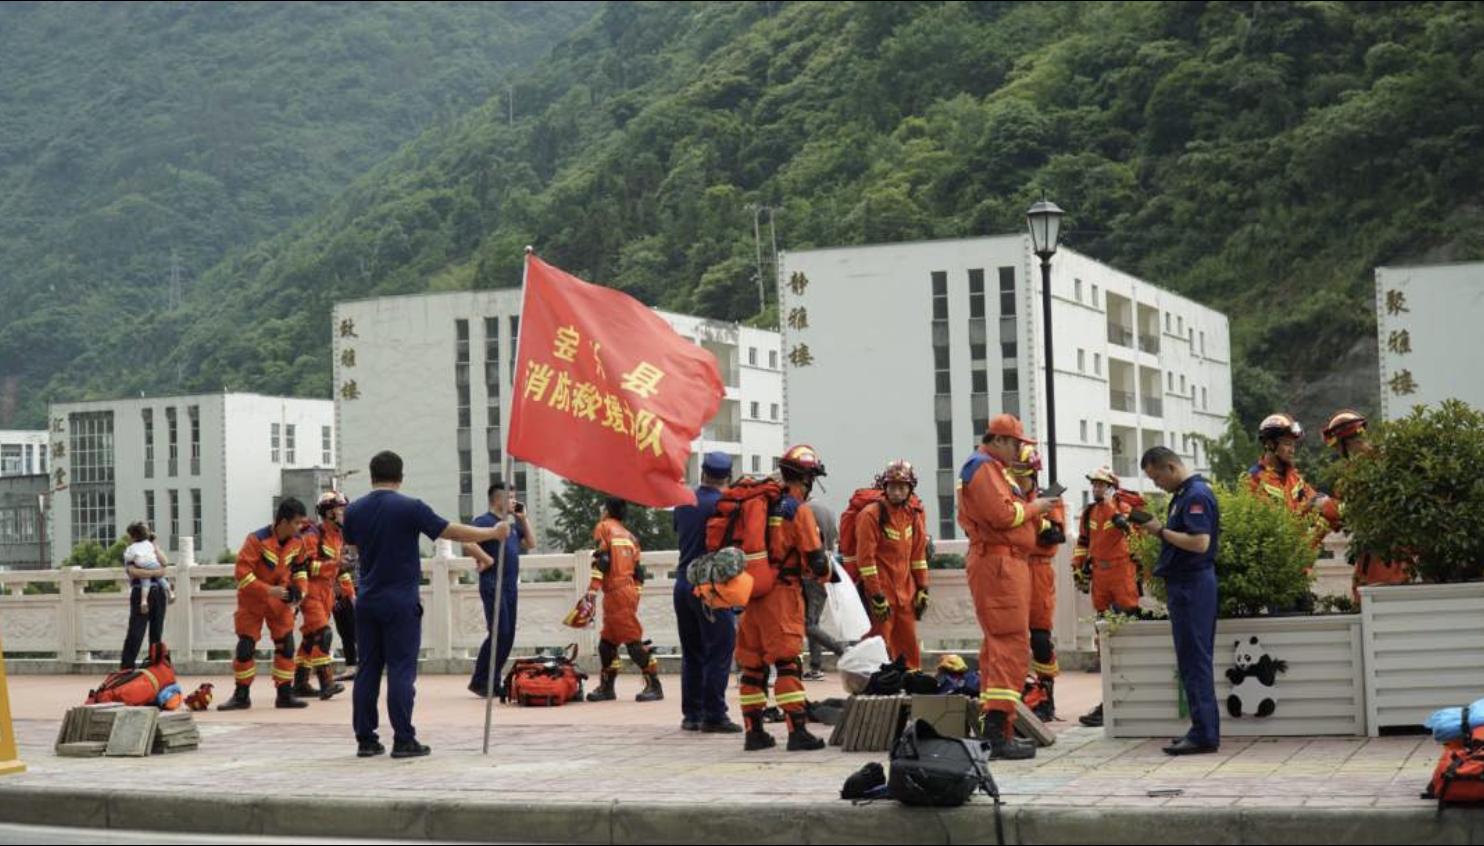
(1189, 537)
(707, 637)
(384, 525)
(509, 517)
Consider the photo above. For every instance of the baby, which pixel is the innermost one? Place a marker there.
(142, 553)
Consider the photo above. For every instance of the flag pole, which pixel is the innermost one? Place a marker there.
(506, 468)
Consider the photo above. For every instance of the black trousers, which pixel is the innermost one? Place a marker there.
(153, 620)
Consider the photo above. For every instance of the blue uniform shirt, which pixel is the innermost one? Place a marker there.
(384, 526)
(1193, 511)
(690, 523)
(512, 549)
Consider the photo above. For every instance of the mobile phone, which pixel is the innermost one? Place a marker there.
(1054, 491)
(1140, 517)
(520, 508)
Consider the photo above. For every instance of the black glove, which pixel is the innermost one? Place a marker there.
(819, 565)
(1121, 523)
(1051, 535)
(602, 561)
(641, 575)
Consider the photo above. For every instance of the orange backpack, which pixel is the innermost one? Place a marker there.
(1459, 776)
(858, 502)
(741, 521)
(154, 684)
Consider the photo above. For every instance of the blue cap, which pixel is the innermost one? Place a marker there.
(717, 464)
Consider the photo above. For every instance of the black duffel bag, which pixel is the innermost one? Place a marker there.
(930, 769)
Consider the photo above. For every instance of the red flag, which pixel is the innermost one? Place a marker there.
(607, 394)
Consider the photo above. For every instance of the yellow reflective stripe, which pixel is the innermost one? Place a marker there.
(596, 573)
(301, 661)
(620, 542)
(270, 557)
(775, 521)
(893, 534)
(301, 576)
(1046, 669)
(327, 551)
(344, 577)
(752, 699)
(1273, 490)
(1019, 515)
(321, 662)
(868, 571)
(1000, 694)
(246, 580)
(790, 698)
(908, 532)
(920, 565)
(314, 570)
(849, 559)
(616, 665)
(284, 675)
(244, 675)
(1298, 489)
(153, 682)
(755, 556)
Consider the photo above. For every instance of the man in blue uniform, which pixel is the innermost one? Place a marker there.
(508, 518)
(1187, 562)
(384, 526)
(707, 638)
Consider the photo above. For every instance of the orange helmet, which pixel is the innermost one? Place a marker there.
(899, 470)
(1344, 425)
(1028, 463)
(1103, 474)
(1276, 426)
(802, 459)
(581, 616)
(329, 501)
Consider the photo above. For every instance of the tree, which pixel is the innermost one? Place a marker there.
(579, 508)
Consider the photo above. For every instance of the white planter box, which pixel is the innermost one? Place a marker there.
(1424, 650)
(1322, 692)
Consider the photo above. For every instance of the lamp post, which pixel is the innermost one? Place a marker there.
(1044, 220)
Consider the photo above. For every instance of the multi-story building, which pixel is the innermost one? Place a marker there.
(907, 350)
(24, 501)
(22, 452)
(1424, 316)
(209, 467)
(429, 377)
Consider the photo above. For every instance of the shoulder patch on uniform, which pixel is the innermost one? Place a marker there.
(972, 466)
(787, 507)
(264, 533)
(1197, 507)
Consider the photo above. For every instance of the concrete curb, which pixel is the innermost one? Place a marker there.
(215, 810)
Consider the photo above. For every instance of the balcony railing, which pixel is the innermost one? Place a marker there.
(1154, 407)
(1123, 466)
(725, 433)
(1120, 335)
(1149, 343)
(1121, 401)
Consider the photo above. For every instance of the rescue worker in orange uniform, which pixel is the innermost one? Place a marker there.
(771, 630)
(891, 552)
(317, 578)
(1276, 477)
(266, 595)
(618, 573)
(1050, 534)
(1001, 526)
(1101, 560)
(1346, 434)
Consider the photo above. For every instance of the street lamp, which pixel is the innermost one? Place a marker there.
(1044, 220)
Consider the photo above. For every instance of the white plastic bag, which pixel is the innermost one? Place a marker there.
(844, 618)
(860, 661)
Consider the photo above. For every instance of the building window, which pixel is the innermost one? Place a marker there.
(1007, 291)
(1077, 287)
(1171, 380)
(327, 447)
(463, 439)
(174, 520)
(1205, 400)
(1095, 297)
(1007, 350)
(273, 442)
(1167, 321)
(775, 410)
(1100, 433)
(1084, 431)
(1180, 325)
(290, 448)
(196, 515)
(1081, 361)
(514, 342)
(757, 464)
(149, 510)
(981, 381)
(1203, 344)
(1182, 383)
(1097, 363)
(173, 456)
(1011, 380)
(11, 459)
(92, 448)
(149, 443)
(946, 525)
(194, 413)
(757, 413)
(752, 356)
(92, 514)
(773, 359)
(976, 293)
(940, 295)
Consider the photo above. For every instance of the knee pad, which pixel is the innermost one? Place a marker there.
(638, 652)
(326, 638)
(286, 646)
(789, 667)
(755, 677)
(1041, 645)
(245, 647)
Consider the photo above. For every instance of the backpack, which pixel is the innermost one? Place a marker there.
(153, 684)
(1458, 777)
(858, 502)
(741, 522)
(930, 769)
(549, 680)
(720, 579)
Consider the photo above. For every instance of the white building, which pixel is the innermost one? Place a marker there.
(906, 350)
(22, 452)
(210, 467)
(1425, 320)
(429, 377)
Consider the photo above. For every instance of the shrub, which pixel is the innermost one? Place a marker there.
(1420, 495)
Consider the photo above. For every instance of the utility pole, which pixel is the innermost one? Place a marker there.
(757, 210)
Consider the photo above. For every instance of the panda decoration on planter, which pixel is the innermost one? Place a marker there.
(1253, 674)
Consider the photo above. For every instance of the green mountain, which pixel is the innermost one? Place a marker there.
(1262, 157)
(141, 142)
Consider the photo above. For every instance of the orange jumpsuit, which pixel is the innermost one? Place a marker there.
(263, 563)
(1296, 494)
(771, 630)
(1115, 576)
(1043, 594)
(892, 559)
(620, 584)
(1370, 569)
(324, 548)
(1001, 528)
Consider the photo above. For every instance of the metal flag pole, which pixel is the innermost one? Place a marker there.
(506, 466)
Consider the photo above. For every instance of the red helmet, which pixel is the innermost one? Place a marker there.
(1028, 463)
(899, 470)
(1276, 426)
(802, 459)
(1105, 475)
(329, 501)
(1344, 425)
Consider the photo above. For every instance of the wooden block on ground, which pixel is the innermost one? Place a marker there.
(133, 732)
(1029, 726)
(81, 749)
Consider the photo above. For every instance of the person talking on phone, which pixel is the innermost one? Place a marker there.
(510, 516)
(1189, 537)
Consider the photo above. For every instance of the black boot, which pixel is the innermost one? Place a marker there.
(328, 687)
(1093, 718)
(1003, 745)
(301, 682)
(286, 698)
(799, 738)
(1046, 711)
(240, 700)
(652, 691)
(757, 737)
(605, 692)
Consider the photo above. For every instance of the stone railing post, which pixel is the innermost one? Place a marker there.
(582, 567)
(180, 619)
(69, 628)
(440, 616)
